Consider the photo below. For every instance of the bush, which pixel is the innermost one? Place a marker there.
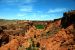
(40, 26)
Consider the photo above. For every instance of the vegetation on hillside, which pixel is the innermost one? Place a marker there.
(40, 26)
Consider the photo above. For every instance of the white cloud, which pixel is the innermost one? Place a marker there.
(20, 15)
(45, 15)
(30, 1)
(57, 10)
(1, 17)
(22, 5)
(18, 1)
(26, 8)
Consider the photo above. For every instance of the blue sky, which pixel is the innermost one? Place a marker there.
(34, 9)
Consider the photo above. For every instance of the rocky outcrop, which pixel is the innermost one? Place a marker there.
(63, 40)
(13, 45)
(2, 28)
(57, 22)
(68, 19)
(4, 39)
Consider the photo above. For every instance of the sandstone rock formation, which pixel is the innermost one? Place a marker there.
(23, 35)
(68, 19)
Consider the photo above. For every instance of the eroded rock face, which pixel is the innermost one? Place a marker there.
(13, 45)
(26, 36)
(68, 19)
(61, 40)
(57, 22)
(4, 39)
(2, 28)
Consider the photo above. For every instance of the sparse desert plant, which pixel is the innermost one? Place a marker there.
(8, 48)
(21, 48)
(52, 31)
(32, 46)
(29, 48)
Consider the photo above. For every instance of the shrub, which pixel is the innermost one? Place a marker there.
(39, 26)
